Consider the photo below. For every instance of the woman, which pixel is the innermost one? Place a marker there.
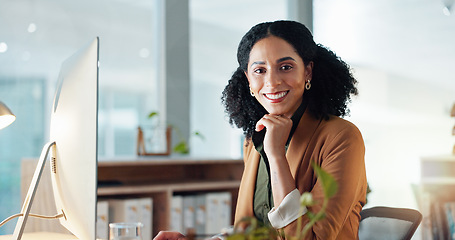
(287, 95)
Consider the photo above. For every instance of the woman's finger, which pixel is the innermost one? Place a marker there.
(168, 235)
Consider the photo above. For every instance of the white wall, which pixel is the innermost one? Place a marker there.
(401, 120)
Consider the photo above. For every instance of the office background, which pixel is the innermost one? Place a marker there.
(402, 53)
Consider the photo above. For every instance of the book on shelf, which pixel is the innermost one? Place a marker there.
(176, 223)
(102, 220)
(133, 210)
(225, 212)
(439, 221)
(189, 219)
(218, 212)
(202, 214)
(424, 199)
(145, 206)
(449, 208)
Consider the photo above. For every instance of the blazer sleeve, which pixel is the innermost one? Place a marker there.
(340, 152)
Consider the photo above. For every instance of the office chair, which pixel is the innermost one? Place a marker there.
(388, 223)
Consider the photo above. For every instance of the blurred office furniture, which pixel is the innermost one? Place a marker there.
(388, 223)
(436, 196)
(159, 178)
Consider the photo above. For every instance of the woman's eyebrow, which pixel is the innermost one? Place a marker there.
(257, 63)
(278, 61)
(285, 59)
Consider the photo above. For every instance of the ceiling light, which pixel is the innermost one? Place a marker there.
(31, 28)
(3, 47)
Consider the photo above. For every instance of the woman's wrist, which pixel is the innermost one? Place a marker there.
(275, 154)
(277, 160)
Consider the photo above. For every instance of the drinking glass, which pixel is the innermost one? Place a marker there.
(125, 231)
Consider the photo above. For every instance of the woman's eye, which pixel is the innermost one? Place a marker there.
(259, 70)
(286, 67)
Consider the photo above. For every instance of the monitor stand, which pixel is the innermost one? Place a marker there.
(20, 225)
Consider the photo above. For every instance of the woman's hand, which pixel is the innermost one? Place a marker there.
(278, 129)
(167, 235)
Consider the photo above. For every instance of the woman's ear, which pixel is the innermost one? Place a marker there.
(246, 75)
(309, 70)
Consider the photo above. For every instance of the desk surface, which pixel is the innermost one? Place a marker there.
(41, 236)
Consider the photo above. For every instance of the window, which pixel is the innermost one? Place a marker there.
(216, 28)
(36, 37)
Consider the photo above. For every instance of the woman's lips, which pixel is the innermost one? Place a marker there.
(276, 96)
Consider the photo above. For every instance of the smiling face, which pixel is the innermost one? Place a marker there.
(277, 75)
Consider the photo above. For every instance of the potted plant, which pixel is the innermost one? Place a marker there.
(181, 147)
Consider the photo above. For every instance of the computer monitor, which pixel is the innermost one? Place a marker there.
(73, 146)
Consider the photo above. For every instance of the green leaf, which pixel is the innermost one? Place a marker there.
(322, 216)
(310, 215)
(329, 184)
(181, 147)
(152, 114)
(237, 236)
(199, 135)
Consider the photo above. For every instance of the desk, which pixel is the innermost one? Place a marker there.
(41, 236)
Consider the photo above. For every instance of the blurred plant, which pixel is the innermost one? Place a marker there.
(152, 114)
(182, 146)
(255, 230)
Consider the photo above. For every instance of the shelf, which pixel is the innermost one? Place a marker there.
(161, 177)
(158, 170)
(164, 160)
(437, 186)
(438, 167)
(438, 180)
(173, 187)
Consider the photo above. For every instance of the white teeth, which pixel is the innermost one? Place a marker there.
(276, 95)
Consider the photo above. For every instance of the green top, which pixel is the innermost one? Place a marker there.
(263, 197)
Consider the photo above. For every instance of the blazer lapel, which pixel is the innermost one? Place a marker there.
(300, 141)
(246, 190)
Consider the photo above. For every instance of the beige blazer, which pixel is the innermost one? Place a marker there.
(336, 145)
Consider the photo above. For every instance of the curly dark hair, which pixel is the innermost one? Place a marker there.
(331, 87)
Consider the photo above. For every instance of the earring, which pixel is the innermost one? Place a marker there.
(252, 93)
(308, 84)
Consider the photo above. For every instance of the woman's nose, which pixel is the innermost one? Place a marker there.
(272, 79)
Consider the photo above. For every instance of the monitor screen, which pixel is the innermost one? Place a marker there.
(74, 130)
